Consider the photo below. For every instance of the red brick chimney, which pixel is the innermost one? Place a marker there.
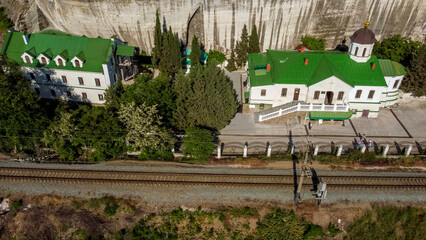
(373, 66)
(268, 67)
(302, 50)
(306, 61)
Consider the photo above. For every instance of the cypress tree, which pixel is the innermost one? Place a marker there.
(254, 41)
(195, 55)
(175, 56)
(415, 80)
(242, 48)
(156, 51)
(231, 62)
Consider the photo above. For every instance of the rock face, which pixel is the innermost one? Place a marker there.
(218, 23)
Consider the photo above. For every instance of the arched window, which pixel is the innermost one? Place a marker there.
(27, 59)
(356, 51)
(77, 63)
(43, 60)
(60, 62)
(363, 52)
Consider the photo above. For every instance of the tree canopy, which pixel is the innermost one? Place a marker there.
(216, 56)
(415, 80)
(198, 143)
(314, 43)
(397, 48)
(254, 41)
(242, 48)
(195, 55)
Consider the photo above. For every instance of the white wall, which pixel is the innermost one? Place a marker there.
(358, 57)
(333, 84)
(72, 84)
(273, 94)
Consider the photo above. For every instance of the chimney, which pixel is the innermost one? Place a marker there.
(302, 49)
(306, 61)
(373, 66)
(268, 67)
(26, 38)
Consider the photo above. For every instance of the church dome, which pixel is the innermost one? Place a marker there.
(364, 35)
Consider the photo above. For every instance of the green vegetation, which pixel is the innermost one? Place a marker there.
(333, 230)
(216, 56)
(242, 47)
(313, 43)
(195, 55)
(389, 222)
(254, 41)
(415, 80)
(16, 204)
(5, 22)
(231, 62)
(198, 144)
(111, 206)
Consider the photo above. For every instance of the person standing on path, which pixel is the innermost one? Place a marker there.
(310, 125)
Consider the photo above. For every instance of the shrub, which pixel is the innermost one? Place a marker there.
(280, 224)
(198, 143)
(243, 212)
(358, 156)
(333, 230)
(111, 206)
(16, 204)
(312, 231)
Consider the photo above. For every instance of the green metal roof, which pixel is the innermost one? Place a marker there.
(391, 68)
(330, 115)
(288, 67)
(123, 50)
(93, 51)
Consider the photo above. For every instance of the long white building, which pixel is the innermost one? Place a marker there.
(70, 67)
(355, 81)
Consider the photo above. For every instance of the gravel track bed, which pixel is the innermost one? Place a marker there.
(187, 168)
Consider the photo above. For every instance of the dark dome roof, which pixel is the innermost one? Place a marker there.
(364, 36)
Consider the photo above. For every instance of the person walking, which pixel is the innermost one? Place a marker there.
(310, 125)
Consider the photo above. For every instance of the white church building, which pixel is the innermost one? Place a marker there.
(74, 68)
(330, 85)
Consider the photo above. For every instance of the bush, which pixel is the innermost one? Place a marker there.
(280, 224)
(333, 230)
(312, 231)
(242, 212)
(217, 56)
(198, 144)
(358, 156)
(111, 206)
(16, 204)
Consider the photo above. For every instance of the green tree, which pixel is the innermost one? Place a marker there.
(397, 48)
(21, 117)
(216, 56)
(152, 92)
(313, 43)
(144, 128)
(254, 41)
(158, 40)
(171, 60)
(113, 95)
(231, 62)
(204, 98)
(242, 48)
(195, 55)
(415, 80)
(198, 143)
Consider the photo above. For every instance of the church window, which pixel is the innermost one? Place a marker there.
(77, 63)
(60, 62)
(358, 94)
(340, 96)
(395, 85)
(363, 52)
(84, 95)
(316, 95)
(371, 94)
(263, 92)
(27, 59)
(284, 92)
(43, 60)
(53, 92)
(64, 79)
(101, 97)
(356, 51)
(80, 81)
(97, 82)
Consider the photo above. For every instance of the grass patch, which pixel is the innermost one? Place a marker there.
(16, 204)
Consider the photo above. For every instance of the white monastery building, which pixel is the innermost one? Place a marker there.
(330, 85)
(73, 68)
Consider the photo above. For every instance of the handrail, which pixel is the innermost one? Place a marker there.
(286, 109)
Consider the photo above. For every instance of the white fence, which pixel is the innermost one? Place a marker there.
(304, 107)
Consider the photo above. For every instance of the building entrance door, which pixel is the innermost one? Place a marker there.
(365, 113)
(296, 94)
(329, 98)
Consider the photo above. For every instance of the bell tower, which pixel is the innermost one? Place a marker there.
(362, 43)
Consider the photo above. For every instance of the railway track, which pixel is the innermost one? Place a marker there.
(203, 179)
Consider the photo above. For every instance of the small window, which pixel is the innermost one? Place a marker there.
(98, 82)
(316, 95)
(53, 92)
(371, 94)
(363, 52)
(37, 90)
(43, 60)
(48, 77)
(340, 96)
(356, 51)
(284, 92)
(84, 95)
(263, 92)
(77, 63)
(27, 59)
(64, 79)
(68, 94)
(262, 106)
(395, 85)
(32, 76)
(60, 62)
(101, 97)
(80, 81)
(358, 94)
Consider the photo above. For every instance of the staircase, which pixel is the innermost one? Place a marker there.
(296, 106)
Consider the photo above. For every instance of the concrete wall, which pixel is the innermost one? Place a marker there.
(218, 23)
(273, 94)
(333, 84)
(72, 84)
